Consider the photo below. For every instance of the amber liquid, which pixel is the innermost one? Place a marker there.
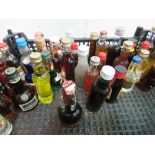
(102, 48)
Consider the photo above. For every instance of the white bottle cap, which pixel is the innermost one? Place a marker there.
(95, 60)
(83, 50)
(107, 72)
(54, 39)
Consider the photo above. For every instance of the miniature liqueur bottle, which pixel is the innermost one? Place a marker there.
(70, 112)
(10, 59)
(23, 96)
(93, 40)
(103, 58)
(5, 126)
(100, 89)
(92, 74)
(40, 41)
(55, 44)
(117, 84)
(123, 59)
(68, 62)
(82, 65)
(41, 79)
(102, 46)
(132, 76)
(54, 78)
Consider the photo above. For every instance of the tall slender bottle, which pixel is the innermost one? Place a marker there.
(100, 89)
(82, 65)
(41, 79)
(92, 73)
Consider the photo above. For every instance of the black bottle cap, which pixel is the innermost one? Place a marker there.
(138, 31)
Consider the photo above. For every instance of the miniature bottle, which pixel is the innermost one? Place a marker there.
(10, 59)
(92, 74)
(41, 79)
(100, 89)
(70, 112)
(82, 65)
(117, 84)
(102, 46)
(103, 58)
(132, 76)
(55, 44)
(23, 96)
(93, 40)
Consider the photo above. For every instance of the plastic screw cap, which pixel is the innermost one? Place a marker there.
(128, 44)
(103, 32)
(95, 60)
(74, 46)
(35, 57)
(144, 53)
(10, 72)
(66, 42)
(107, 72)
(3, 44)
(102, 56)
(145, 45)
(136, 59)
(46, 54)
(21, 42)
(83, 50)
(94, 35)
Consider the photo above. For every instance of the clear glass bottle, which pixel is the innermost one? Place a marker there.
(54, 78)
(132, 76)
(23, 96)
(103, 58)
(117, 83)
(102, 46)
(92, 74)
(100, 89)
(40, 41)
(70, 112)
(5, 126)
(82, 65)
(123, 59)
(41, 79)
(10, 59)
(93, 41)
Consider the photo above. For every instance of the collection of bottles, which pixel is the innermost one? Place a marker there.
(102, 70)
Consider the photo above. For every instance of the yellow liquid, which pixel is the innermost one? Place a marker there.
(42, 83)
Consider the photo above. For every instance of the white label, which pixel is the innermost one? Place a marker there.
(58, 77)
(29, 105)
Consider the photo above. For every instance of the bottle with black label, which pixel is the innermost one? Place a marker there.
(23, 95)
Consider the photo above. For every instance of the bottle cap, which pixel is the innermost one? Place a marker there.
(94, 35)
(107, 72)
(69, 87)
(102, 56)
(46, 54)
(35, 57)
(69, 33)
(3, 46)
(136, 59)
(120, 71)
(39, 35)
(21, 42)
(103, 32)
(119, 31)
(144, 53)
(74, 46)
(153, 28)
(138, 32)
(66, 42)
(145, 45)
(55, 39)
(128, 44)
(83, 50)
(95, 60)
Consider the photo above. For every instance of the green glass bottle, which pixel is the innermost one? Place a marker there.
(41, 79)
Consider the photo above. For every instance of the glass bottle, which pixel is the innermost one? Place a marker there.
(92, 74)
(100, 89)
(55, 44)
(132, 76)
(82, 65)
(117, 84)
(23, 96)
(70, 112)
(41, 79)
(123, 59)
(102, 46)
(70, 34)
(40, 41)
(10, 59)
(5, 126)
(103, 58)
(54, 78)
(93, 40)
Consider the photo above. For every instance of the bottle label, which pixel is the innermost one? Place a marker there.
(58, 77)
(21, 73)
(29, 105)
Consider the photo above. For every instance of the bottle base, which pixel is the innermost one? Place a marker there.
(45, 100)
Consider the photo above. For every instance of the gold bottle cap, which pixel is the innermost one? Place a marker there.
(66, 42)
(144, 53)
(128, 44)
(153, 28)
(94, 35)
(39, 35)
(35, 57)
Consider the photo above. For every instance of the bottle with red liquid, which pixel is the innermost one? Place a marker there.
(92, 74)
(70, 112)
(103, 58)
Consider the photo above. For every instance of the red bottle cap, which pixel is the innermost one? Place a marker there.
(102, 56)
(103, 32)
(120, 71)
(74, 46)
(145, 45)
(2, 45)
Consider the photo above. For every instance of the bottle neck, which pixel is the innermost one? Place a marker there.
(103, 81)
(48, 64)
(92, 67)
(39, 68)
(124, 54)
(66, 50)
